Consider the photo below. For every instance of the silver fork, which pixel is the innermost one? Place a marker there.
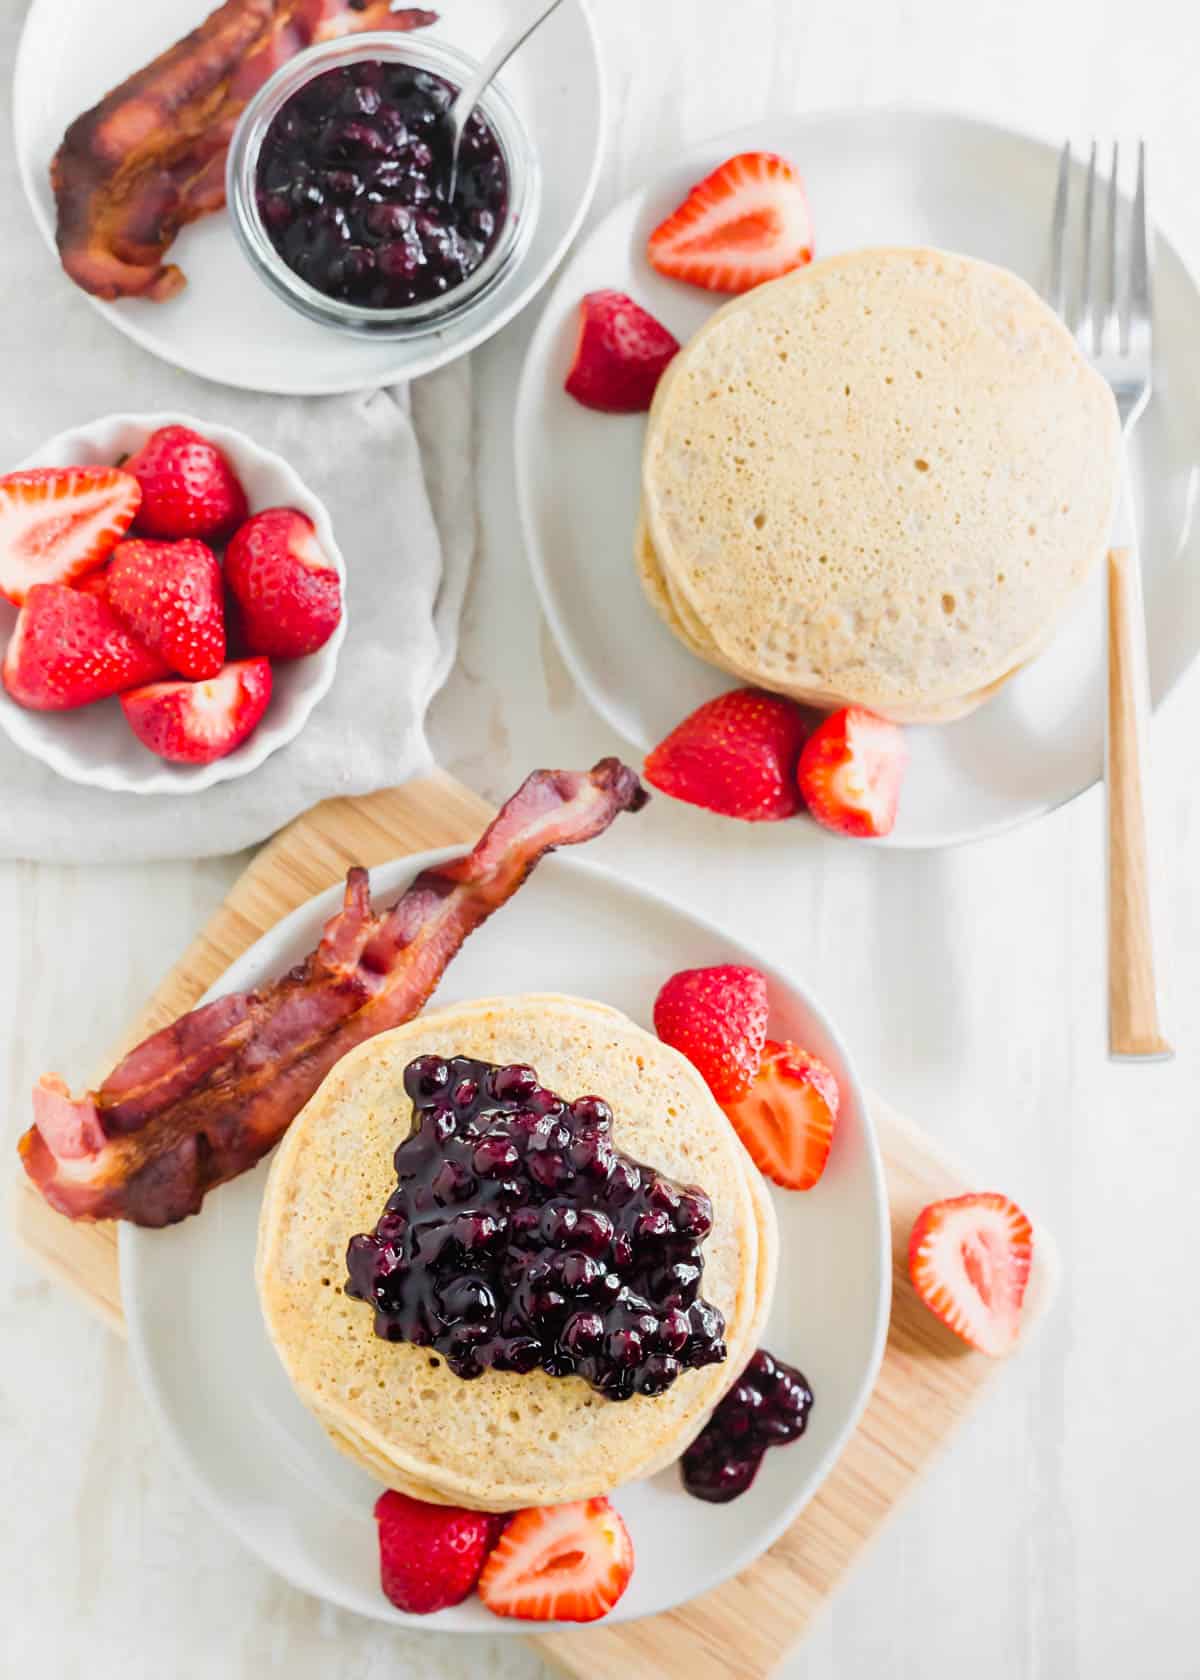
(1109, 308)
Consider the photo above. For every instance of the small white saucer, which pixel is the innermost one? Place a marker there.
(225, 324)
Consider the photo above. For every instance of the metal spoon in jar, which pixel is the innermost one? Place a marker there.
(450, 129)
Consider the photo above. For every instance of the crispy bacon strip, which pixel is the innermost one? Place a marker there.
(205, 1098)
(150, 157)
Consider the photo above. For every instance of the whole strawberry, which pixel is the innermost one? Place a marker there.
(430, 1556)
(189, 488)
(717, 1018)
(735, 755)
(171, 596)
(287, 590)
(69, 648)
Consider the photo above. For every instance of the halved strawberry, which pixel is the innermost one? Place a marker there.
(171, 596)
(69, 648)
(969, 1259)
(619, 356)
(430, 1555)
(58, 523)
(735, 755)
(196, 722)
(786, 1119)
(745, 223)
(850, 773)
(717, 1018)
(564, 1563)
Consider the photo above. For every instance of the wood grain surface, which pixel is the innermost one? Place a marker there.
(927, 1384)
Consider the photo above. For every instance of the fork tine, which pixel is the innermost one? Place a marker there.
(1106, 324)
(1056, 286)
(1085, 312)
(1138, 314)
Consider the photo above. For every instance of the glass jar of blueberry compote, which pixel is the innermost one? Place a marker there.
(337, 184)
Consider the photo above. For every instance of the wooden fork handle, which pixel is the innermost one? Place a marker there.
(1133, 1021)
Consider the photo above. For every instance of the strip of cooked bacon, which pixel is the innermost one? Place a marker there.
(205, 1098)
(150, 157)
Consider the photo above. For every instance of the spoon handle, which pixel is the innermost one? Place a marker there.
(495, 60)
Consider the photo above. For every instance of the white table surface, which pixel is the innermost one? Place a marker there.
(1056, 1538)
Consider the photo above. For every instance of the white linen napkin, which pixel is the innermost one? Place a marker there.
(393, 468)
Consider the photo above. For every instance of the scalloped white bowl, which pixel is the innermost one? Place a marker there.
(94, 745)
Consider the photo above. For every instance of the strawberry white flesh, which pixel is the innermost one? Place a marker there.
(787, 1118)
(746, 223)
(969, 1258)
(566, 1563)
(197, 722)
(59, 523)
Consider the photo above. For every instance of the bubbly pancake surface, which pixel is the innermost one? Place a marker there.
(501, 1440)
(879, 480)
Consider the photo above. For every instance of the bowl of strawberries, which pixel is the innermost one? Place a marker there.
(172, 603)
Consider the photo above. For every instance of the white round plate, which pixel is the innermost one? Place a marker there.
(226, 325)
(93, 744)
(265, 1465)
(873, 178)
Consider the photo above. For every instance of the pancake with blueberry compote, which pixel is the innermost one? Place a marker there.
(513, 1254)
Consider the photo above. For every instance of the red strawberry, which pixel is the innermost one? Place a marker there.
(717, 1018)
(171, 596)
(196, 722)
(564, 1563)
(430, 1555)
(619, 356)
(851, 770)
(786, 1119)
(745, 223)
(288, 591)
(69, 648)
(189, 488)
(735, 755)
(969, 1259)
(95, 583)
(58, 523)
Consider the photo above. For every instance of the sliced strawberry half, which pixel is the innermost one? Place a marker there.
(787, 1117)
(735, 755)
(969, 1259)
(69, 649)
(745, 223)
(717, 1018)
(851, 772)
(59, 523)
(564, 1563)
(197, 722)
(620, 354)
(172, 597)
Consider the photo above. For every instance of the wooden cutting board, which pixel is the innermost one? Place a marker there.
(928, 1381)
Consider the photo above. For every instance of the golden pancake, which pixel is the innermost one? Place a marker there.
(881, 480)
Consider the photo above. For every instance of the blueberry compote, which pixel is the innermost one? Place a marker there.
(767, 1406)
(353, 197)
(518, 1237)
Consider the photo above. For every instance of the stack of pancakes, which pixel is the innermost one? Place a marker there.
(879, 481)
(501, 1441)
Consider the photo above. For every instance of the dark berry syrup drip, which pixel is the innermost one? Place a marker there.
(518, 1237)
(353, 199)
(767, 1407)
